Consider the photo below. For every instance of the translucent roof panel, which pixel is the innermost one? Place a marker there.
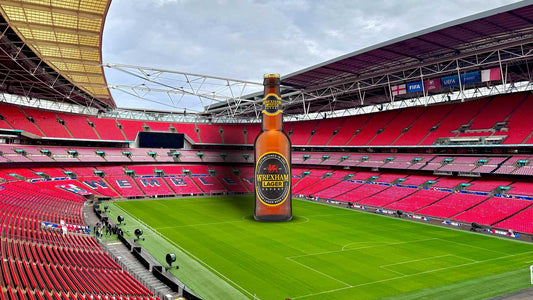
(66, 34)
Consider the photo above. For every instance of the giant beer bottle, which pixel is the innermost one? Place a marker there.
(272, 149)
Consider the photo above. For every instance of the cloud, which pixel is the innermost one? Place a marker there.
(244, 39)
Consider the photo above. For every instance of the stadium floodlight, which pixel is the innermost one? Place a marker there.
(138, 232)
(170, 258)
(120, 219)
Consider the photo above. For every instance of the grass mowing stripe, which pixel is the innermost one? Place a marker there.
(359, 248)
(410, 275)
(331, 251)
(317, 271)
(158, 234)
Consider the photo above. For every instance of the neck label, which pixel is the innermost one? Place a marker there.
(272, 179)
(272, 104)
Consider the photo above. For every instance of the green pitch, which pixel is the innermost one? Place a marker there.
(324, 253)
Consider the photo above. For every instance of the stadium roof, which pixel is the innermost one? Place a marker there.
(501, 37)
(66, 36)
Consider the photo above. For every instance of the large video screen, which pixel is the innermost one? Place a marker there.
(160, 140)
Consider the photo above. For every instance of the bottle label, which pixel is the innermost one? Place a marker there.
(272, 104)
(272, 179)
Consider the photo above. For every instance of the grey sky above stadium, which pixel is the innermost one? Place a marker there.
(244, 39)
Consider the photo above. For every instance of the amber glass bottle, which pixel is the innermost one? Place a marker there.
(272, 149)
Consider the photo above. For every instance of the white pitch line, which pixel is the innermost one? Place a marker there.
(367, 247)
(399, 277)
(471, 246)
(414, 260)
(192, 256)
(199, 224)
(317, 271)
(380, 243)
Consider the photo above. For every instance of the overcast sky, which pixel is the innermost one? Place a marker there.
(244, 39)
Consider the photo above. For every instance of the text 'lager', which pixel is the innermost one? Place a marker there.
(272, 149)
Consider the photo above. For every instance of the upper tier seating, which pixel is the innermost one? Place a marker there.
(324, 131)
(233, 134)
(48, 123)
(252, 131)
(158, 126)
(395, 128)
(301, 131)
(520, 124)
(16, 118)
(421, 127)
(498, 110)
(377, 122)
(410, 126)
(210, 134)
(131, 127)
(107, 129)
(462, 114)
(349, 127)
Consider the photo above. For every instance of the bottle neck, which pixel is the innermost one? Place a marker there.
(272, 121)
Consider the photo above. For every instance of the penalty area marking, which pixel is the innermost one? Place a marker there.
(354, 243)
(366, 247)
(410, 275)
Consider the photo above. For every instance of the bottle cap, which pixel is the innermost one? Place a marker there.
(271, 75)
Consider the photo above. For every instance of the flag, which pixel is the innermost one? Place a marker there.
(414, 87)
(431, 84)
(470, 78)
(450, 81)
(491, 74)
(398, 90)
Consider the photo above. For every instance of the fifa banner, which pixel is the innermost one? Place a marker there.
(466, 79)
(414, 87)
